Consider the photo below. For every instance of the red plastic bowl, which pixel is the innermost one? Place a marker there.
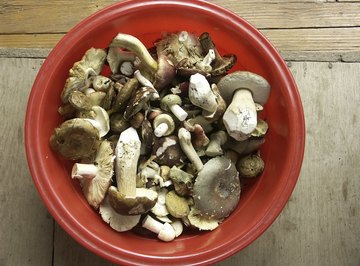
(261, 201)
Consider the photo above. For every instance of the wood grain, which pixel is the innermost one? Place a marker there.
(30, 16)
(26, 228)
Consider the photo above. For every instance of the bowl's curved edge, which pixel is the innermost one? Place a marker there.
(197, 259)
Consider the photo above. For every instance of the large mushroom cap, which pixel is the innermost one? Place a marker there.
(217, 188)
(258, 86)
(75, 139)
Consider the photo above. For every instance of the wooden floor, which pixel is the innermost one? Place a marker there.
(320, 40)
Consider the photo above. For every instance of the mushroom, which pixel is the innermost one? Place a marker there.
(202, 223)
(74, 84)
(142, 80)
(82, 102)
(134, 45)
(126, 199)
(198, 138)
(187, 147)
(124, 95)
(261, 129)
(118, 222)
(202, 121)
(220, 65)
(95, 178)
(178, 227)
(92, 62)
(116, 57)
(163, 125)
(127, 68)
(172, 102)
(100, 120)
(118, 123)
(250, 166)
(183, 181)
(200, 93)
(216, 190)
(147, 137)
(164, 231)
(139, 100)
(168, 151)
(177, 206)
(246, 146)
(242, 89)
(205, 64)
(101, 83)
(220, 108)
(217, 139)
(75, 139)
(137, 120)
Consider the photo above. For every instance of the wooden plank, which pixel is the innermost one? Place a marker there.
(325, 44)
(30, 16)
(26, 228)
(320, 225)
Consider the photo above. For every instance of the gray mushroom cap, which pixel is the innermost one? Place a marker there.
(217, 188)
(258, 86)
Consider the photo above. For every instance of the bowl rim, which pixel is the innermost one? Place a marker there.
(53, 202)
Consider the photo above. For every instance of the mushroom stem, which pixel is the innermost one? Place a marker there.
(81, 170)
(133, 44)
(205, 64)
(164, 230)
(216, 140)
(240, 118)
(143, 81)
(180, 113)
(200, 93)
(127, 154)
(187, 147)
(161, 129)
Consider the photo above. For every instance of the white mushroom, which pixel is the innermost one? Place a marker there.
(163, 125)
(101, 120)
(95, 179)
(164, 231)
(178, 227)
(143, 81)
(172, 102)
(217, 139)
(118, 222)
(242, 89)
(127, 68)
(187, 147)
(200, 93)
(205, 64)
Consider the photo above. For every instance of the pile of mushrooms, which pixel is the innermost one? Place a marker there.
(164, 140)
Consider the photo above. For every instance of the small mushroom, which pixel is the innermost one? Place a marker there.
(202, 223)
(200, 93)
(183, 181)
(82, 102)
(124, 95)
(142, 80)
(177, 206)
(242, 89)
(187, 147)
(127, 68)
(75, 139)
(163, 125)
(118, 123)
(172, 102)
(198, 136)
(178, 227)
(246, 146)
(217, 139)
(118, 222)
(164, 231)
(100, 120)
(166, 72)
(220, 108)
(147, 136)
(101, 83)
(216, 191)
(250, 166)
(205, 64)
(137, 120)
(261, 129)
(168, 151)
(139, 101)
(220, 65)
(95, 179)
(126, 199)
(203, 122)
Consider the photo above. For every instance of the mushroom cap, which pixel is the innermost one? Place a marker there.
(165, 118)
(177, 206)
(75, 139)
(138, 101)
(200, 222)
(101, 120)
(118, 222)
(169, 100)
(258, 86)
(95, 189)
(165, 73)
(250, 166)
(144, 200)
(168, 151)
(217, 188)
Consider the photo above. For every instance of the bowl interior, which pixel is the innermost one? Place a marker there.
(261, 200)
